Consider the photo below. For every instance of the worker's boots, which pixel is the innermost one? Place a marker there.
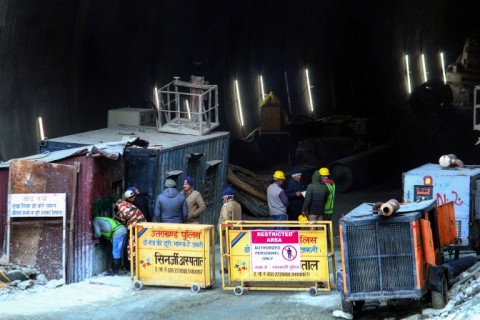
(116, 264)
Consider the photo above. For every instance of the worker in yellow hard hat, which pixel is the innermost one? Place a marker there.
(316, 196)
(277, 199)
(325, 178)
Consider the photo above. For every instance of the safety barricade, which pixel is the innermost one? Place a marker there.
(174, 255)
(273, 255)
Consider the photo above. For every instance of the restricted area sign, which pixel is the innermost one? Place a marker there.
(275, 250)
(278, 255)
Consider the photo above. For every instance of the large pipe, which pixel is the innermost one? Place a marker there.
(450, 160)
(390, 207)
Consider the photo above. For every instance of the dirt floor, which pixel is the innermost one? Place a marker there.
(115, 298)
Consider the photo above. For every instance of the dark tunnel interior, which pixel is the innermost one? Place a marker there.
(70, 62)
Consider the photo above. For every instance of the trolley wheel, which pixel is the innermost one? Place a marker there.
(313, 291)
(195, 288)
(138, 285)
(440, 299)
(238, 291)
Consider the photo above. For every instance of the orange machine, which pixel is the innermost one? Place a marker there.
(394, 257)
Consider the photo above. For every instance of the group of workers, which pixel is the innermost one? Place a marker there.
(287, 200)
(295, 202)
(171, 206)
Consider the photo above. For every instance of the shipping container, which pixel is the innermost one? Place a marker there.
(459, 185)
(165, 155)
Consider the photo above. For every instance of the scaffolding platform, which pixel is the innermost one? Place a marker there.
(187, 107)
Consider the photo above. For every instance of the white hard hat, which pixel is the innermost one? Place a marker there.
(128, 194)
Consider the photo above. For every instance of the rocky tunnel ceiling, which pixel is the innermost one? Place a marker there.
(71, 61)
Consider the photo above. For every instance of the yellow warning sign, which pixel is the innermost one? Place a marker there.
(278, 255)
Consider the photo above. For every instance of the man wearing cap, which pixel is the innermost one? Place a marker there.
(170, 205)
(294, 190)
(276, 197)
(316, 198)
(231, 210)
(196, 205)
(129, 215)
(133, 195)
(324, 177)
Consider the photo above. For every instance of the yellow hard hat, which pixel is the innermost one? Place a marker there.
(279, 175)
(324, 172)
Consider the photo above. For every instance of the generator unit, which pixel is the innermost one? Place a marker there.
(460, 185)
(395, 257)
(132, 117)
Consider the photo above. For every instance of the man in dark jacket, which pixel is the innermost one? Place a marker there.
(315, 198)
(170, 205)
(294, 190)
(134, 196)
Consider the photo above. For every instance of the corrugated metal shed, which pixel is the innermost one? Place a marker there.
(204, 158)
(100, 176)
(3, 205)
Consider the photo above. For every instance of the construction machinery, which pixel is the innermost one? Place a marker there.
(450, 183)
(394, 254)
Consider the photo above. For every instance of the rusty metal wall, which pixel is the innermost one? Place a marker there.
(39, 241)
(3, 206)
(98, 178)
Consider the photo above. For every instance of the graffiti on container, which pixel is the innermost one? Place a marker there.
(442, 199)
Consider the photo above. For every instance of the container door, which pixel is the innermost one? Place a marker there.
(140, 172)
